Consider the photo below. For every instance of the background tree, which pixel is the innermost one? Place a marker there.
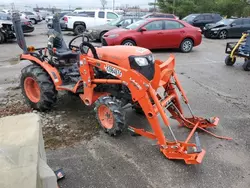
(104, 3)
(78, 8)
(152, 6)
(227, 8)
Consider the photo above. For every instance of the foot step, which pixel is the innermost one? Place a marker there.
(132, 132)
(68, 87)
(73, 74)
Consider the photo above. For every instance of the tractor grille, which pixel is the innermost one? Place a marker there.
(147, 71)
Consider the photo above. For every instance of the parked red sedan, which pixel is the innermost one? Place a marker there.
(156, 33)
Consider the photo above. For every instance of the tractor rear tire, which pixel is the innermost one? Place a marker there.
(110, 115)
(37, 87)
(246, 65)
(229, 61)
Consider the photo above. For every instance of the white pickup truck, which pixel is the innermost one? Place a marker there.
(82, 19)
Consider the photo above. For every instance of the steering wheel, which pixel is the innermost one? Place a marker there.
(77, 48)
(86, 46)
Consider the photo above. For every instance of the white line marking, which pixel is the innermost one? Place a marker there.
(202, 63)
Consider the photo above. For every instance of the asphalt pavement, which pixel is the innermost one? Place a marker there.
(133, 162)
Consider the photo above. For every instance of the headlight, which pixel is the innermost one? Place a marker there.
(113, 36)
(144, 64)
(141, 61)
(215, 29)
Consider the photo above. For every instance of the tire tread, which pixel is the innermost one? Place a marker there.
(118, 114)
(47, 88)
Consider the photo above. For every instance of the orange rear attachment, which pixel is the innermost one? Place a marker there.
(32, 89)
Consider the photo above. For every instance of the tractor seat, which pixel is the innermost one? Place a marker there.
(63, 54)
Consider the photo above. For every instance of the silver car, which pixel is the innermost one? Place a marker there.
(33, 17)
(96, 33)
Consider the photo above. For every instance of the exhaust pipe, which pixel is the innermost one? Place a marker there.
(19, 32)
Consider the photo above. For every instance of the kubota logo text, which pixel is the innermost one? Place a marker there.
(113, 71)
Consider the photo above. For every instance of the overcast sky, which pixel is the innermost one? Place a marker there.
(76, 3)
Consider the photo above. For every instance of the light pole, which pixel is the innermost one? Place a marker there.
(173, 6)
(155, 6)
(113, 5)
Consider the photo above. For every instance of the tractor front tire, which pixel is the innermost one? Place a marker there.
(110, 115)
(229, 61)
(38, 88)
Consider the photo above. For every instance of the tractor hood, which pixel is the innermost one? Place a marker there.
(120, 54)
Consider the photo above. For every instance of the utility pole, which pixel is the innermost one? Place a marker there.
(173, 6)
(155, 6)
(113, 5)
(13, 7)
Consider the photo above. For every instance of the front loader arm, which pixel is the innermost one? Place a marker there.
(133, 80)
(144, 92)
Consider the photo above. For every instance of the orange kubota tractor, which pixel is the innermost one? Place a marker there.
(111, 78)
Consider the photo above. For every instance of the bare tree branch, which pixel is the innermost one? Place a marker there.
(104, 3)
